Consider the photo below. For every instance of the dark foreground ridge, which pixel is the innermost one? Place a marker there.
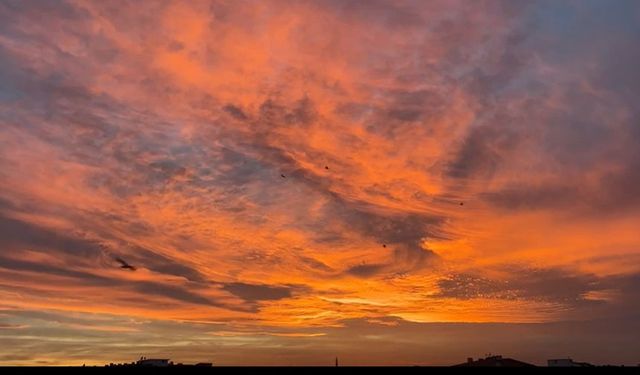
(489, 361)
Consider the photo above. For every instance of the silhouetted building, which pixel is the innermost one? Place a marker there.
(153, 362)
(157, 362)
(494, 361)
(567, 362)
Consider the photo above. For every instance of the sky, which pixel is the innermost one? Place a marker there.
(386, 182)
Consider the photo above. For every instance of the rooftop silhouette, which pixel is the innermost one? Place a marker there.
(157, 362)
(494, 361)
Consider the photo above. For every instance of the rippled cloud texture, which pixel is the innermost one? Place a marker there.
(389, 182)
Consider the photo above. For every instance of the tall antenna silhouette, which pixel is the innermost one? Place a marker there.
(336, 361)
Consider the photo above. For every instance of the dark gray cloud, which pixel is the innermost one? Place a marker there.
(257, 292)
(21, 235)
(558, 285)
(257, 158)
(401, 233)
(18, 233)
(393, 16)
(408, 106)
(87, 277)
(483, 151)
(303, 112)
(402, 259)
(618, 190)
(405, 228)
(274, 114)
(533, 197)
(91, 277)
(175, 293)
(366, 270)
(235, 112)
(353, 111)
(15, 232)
(613, 192)
(158, 263)
(11, 77)
(315, 264)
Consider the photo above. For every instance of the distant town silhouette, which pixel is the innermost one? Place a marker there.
(487, 361)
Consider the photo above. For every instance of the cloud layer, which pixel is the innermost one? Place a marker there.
(284, 170)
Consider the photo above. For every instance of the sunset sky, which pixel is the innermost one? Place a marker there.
(388, 182)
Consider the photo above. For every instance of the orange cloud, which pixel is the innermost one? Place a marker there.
(278, 168)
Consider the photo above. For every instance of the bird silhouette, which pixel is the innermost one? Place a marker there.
(462, 203)
(325, 167)
(384, 245)
(125, 265)
(283, 176)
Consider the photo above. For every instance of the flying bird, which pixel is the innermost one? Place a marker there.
(384, 245)
(283, 176)
(325, 167)
(462, 203)
(125, 265)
